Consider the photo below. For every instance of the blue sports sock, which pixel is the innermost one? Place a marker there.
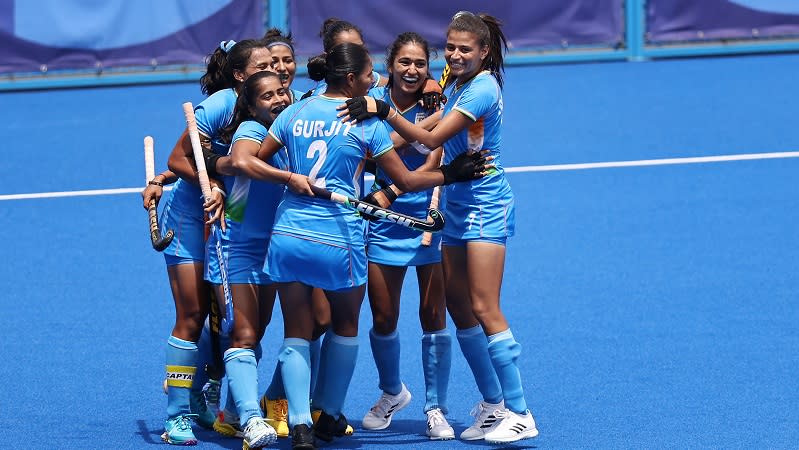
(294, 362)
(386, 352)
(319, 388)
(181, 367)
(436, 362)
(341, 353)
(316, 348)
(242, 377)
(505, 351)
(475, 349)
(230, 402)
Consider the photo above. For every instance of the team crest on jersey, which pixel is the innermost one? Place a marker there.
(419, 117)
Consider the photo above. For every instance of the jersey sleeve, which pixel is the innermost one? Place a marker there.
(212, 115)
(250, 130)
(380, 141)
(478, 99)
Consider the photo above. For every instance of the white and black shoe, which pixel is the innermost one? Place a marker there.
(484, 414)
(512, 427)
(379, 417)
(438, 429)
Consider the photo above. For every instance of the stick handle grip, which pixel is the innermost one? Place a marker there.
(427, 237)
(199, 161)
(149, 159)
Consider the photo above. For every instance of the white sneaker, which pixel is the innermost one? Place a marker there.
(258, 433)
(438, 428)
(484, 420)
(512, 427)
(379, 417)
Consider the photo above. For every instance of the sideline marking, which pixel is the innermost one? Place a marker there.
(544, 168)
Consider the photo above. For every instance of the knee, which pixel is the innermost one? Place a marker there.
(485, 311)
(244, 339)
(384, 324)
(433, 317)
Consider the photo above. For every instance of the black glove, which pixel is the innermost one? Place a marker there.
(432, 97)
(431, 101)
(464, 167)
(386, 192)
(210, 162)
(357, 109)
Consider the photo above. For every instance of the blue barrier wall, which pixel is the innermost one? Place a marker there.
(128, 43)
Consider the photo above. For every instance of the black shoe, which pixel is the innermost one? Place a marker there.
(302, 438)
(326, 427)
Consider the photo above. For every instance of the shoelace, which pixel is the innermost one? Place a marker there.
(502, 413)
(184, 422)
(435, 417)
(382, 406)
(477, 411)
(253, 424)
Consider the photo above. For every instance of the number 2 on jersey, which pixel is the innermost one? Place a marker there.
(317, 146)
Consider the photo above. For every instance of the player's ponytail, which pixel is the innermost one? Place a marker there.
(225, 59)
(497, 46)
(215, 77)
(316, 67)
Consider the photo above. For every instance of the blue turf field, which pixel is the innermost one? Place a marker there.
(656, 306)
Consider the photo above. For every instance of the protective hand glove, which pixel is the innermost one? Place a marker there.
(362, 108)
(432, 96)
(465, 167)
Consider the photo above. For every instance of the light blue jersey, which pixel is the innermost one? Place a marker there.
(387, 243)
(183, 212)
(481, 208)
(249, 215)
(315, 241)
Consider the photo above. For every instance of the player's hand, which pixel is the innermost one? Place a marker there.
(432, 96)
(215, 208)
(361, 108)
(299, 184)
(467, 167)
(151, 192)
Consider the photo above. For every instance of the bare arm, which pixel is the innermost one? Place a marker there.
(248, 158)
(408, 181)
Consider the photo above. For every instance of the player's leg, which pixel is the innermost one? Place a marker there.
(241, 366)
(471, 339)
(191, 308)
(341, 351)
(385, 289)
(486, 262)
(294, 357)
(436, 349)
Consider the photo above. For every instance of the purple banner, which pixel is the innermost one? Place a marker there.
(46, 35)
(691, 20)
(540, 23)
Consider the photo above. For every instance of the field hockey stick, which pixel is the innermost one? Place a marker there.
(436, 218)
(205, 185)
(159, 242)
(427, 237)
(216, 368)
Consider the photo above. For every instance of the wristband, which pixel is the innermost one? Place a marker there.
(218, 189)
(291, 174)
(155, 183)
(393, 115)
